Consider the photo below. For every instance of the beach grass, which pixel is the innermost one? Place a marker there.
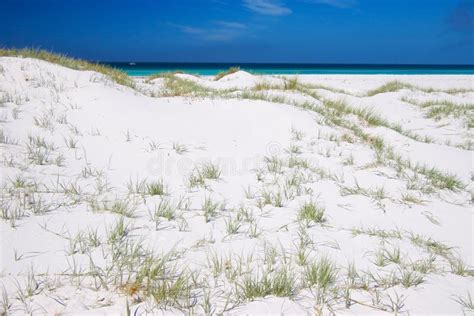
(229, 71)
(157, 188)
(390, 86)
(396, 85)
(321, 273)
(116, 75)
(467, 302)
(175, 86)
(279, 283)
(311, 213)
(438, 109)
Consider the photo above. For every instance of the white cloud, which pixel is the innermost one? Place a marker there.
(337, 3)
(267, 7)
(190, 29)
(232, 25)
(219, 31)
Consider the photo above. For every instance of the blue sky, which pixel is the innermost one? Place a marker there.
(311, 31)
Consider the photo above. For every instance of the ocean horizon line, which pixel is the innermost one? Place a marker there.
(210, 69)
(286, 63)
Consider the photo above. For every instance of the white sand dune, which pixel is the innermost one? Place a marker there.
(78, 151)
(236, 80)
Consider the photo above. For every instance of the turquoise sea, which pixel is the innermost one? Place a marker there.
(148, 68)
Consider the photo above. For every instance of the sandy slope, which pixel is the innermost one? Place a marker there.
(107, 136)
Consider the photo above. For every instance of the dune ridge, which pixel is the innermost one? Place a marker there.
(247, 194)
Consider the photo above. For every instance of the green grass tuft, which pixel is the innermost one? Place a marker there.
(229, 71)
(175, 86)
(391, 86)
(311, 213)
(156, 188)
(210, 209)
(116, 75)
(291, 84)
(157, 75)
(280, 283)
(467, 303)
(321, 273)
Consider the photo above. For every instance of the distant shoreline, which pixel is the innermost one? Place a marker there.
(209, 69)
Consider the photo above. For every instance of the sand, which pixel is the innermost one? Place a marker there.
(76, 146)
